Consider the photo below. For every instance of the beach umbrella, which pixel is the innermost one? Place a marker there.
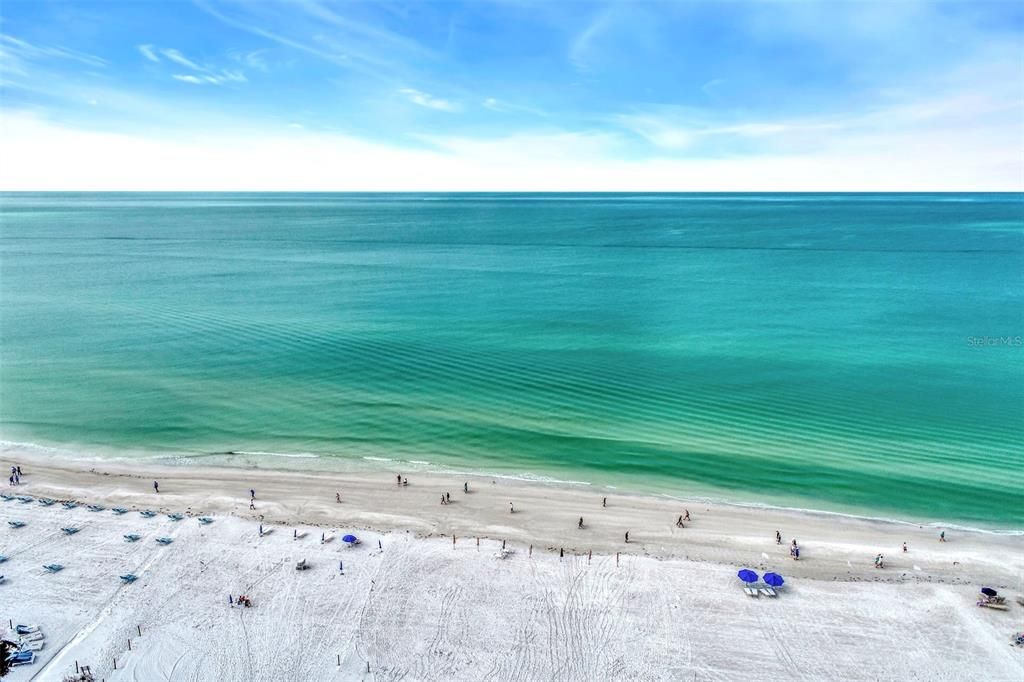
(773, 579)
(988, 592)
(747, 576)
(350, 539)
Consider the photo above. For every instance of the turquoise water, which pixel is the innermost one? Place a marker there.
(823, 351)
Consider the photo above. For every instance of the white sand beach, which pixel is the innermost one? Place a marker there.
(411, 604)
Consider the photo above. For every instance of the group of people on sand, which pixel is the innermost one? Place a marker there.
(15, 475)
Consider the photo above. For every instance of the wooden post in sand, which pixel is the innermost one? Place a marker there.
(531, 551)
(140, 630)
(129, 644)
(115, 664)
(478, 543)
(590, 555)
(453, 540)
(76, 667)
(616, 559)
(339, 659)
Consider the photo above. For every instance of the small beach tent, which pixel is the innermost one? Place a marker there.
(747, 576)
(773, 579)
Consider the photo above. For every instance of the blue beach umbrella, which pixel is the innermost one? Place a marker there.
(747, 576)
(773, 579)
(350, 539)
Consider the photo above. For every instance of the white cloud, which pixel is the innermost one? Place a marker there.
(28, 51)
(177, 57)
(427, 100)
(45, 156)
(148, 52)
(212, 79)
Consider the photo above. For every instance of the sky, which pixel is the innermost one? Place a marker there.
(897, 95)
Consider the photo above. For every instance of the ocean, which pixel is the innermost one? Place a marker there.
(859, 353)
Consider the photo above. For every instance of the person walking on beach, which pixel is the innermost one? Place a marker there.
(511, 508)
(465, 487)
(627, 536)
(604, 501)
(11, 479)
(580, 525)
(405, 482)
(686, 515)
(904, 548)
(778, 538)
(942, 536)
(679, 523)
(252, 493)
(337, 497)
(448, 497)
(156, 486)
(442, 500)
(19, 471)
(399, 479)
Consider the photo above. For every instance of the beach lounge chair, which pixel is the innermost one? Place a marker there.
(768, 591)
(175, 517)
(70, 530)
(53, 568)
(6, 497)
(2, 580)
(95, 508)
(33, 637)
(16, 524)
(26, 500)
(69, 505)
(148, 514)
(25, 629)
(32, 646)
(131, 537)
(751, 591)
(164, 541)
(301, 566)
(129, 578)
(2, 558)
(46, 503)
(22, 658)
(205, 520)
(119, 510)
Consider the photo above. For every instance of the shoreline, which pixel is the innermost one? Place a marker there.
(367, 465)
(469, 590)
(833, 546)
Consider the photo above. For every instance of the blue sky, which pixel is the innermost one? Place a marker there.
(314, 95)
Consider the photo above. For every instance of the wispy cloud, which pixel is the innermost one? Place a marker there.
(178, 58)
(28, 51)
(204, 75)
(427, 100)
(212, 79)
(148, 52)
(501, 106)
